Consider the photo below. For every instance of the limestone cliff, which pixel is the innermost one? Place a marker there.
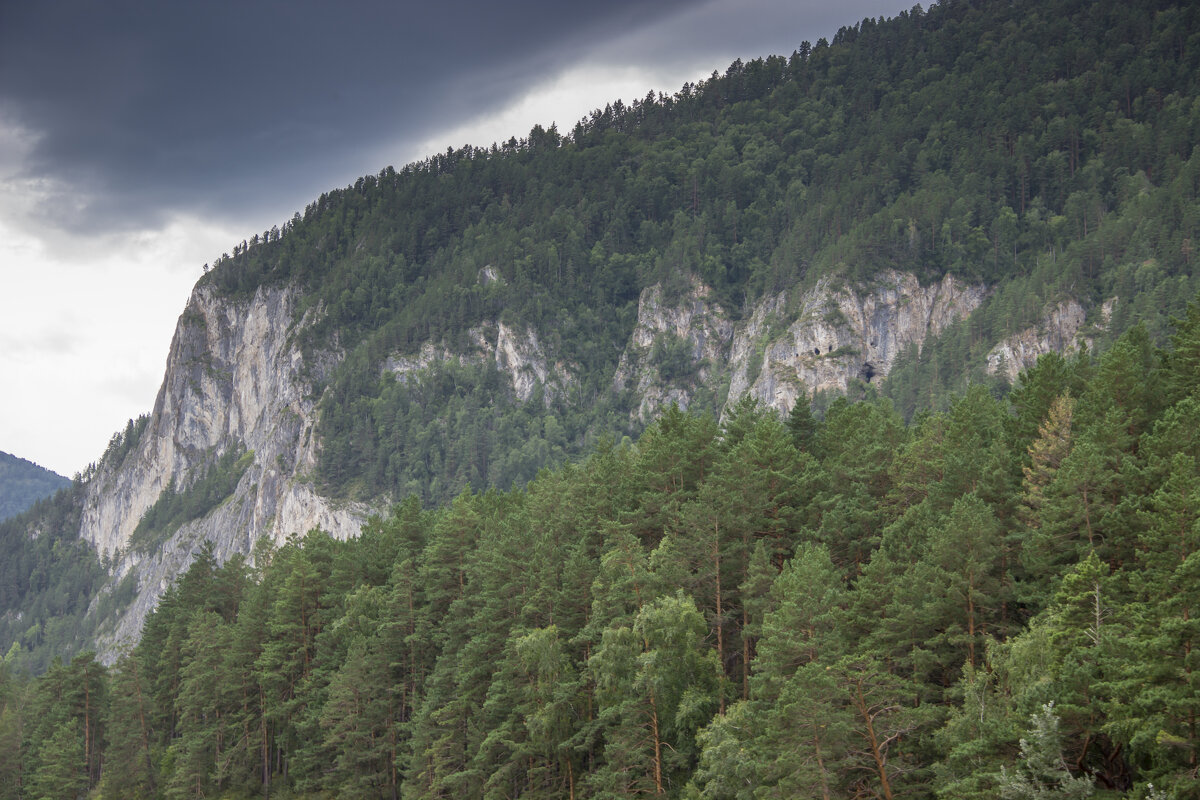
(1061, 330)
(516, 352)
(238, 380)
(833, 334)
(820, 339)
(678, 344)
(235, 378)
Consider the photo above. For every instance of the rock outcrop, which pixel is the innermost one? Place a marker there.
(690, 329)
(235, 378)
(820, 339)
(517, 352)
(1061, 330)
(832, 334)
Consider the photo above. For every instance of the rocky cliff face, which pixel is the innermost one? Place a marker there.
(1061, 330)
(820, 339)
(831, 335)
(235, 378)
(690, 329)
(516, 352)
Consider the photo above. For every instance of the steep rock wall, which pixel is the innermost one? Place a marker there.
(834, 334)
(690, 327)
(235, 378)
(821, 339)
(1061, 330)
(517, 352)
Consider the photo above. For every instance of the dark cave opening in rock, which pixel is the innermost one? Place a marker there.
(867, 371)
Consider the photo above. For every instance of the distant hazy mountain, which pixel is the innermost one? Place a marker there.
(23, 483)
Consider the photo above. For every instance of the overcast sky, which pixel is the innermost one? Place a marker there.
(139, 140)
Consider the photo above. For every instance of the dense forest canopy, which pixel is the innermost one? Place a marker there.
(50, 579)
(998, 600)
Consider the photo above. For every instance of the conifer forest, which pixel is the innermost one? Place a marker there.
(938, 586)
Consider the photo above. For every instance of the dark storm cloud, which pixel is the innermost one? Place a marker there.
(146, 107)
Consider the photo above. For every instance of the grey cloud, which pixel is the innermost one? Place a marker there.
(146, 107)
(27, 347)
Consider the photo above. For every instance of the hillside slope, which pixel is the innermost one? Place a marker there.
(923, 204)
(996, 601)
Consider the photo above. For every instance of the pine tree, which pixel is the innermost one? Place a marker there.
(1080, 507)
(357, 720)
(550, 702)
(802, 425)
(1181, 375)
(61, 770)
(965, 558)
(791, 737)
(657, 685)
(1046, 455)
(129, 735)
(674, 457)
(980, 735)
(856, 446)
(1155, 678)
(1073, 654)
(12, 736)
(248, 761)
(201, 708)
(881, 721)
(1052, 377)
(1041, 773)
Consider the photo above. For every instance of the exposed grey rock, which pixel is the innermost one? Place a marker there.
(691, 318)
(822, 339)
(1061, 330)
(517, 352)
(833, 334)
(489, 275)
(235, 378)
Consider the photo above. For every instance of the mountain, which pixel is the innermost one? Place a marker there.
(22, 483)
(921, 205)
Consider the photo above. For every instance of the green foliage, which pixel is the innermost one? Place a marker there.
(123, 442)
(175, 506)
(708, 612)
(1041, 772)
(433, 433)
(60, 772)
(673, 358)
(47, 581)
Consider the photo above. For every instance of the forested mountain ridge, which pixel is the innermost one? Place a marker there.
(1042, 151)
(464, 321)
(22, 483)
